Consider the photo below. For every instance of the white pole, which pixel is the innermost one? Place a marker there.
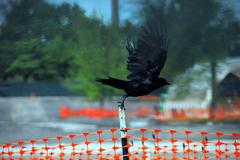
(123, 131)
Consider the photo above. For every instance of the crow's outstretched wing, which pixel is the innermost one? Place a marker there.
(148, 54)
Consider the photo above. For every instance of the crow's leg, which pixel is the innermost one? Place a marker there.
(122, 100)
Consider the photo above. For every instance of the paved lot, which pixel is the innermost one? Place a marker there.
(24, 119)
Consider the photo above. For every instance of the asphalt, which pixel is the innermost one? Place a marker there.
(23, 118)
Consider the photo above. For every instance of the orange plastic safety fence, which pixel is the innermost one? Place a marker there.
(143, 143)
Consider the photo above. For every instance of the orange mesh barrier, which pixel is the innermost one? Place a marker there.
(96, 113)
(227, 113)
(142, 144)
(221, 113)
(99, 113)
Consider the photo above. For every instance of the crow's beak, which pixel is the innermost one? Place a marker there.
(168, 83)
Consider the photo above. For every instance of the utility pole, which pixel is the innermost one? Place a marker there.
(213, 89)
(115, 13)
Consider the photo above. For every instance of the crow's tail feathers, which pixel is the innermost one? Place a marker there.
(116, 83)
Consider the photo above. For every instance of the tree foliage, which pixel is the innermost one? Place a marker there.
(198, 30)
(45, 42)
(41, 41)
(32, 37)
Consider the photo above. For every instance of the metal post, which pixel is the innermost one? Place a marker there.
(213, 87)
(121, 110)
(115, 13)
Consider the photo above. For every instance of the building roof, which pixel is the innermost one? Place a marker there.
(230, 86)
(34, 88)
(236, 72)
(199, 85)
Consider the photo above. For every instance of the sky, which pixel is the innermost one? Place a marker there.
(103, 8)
(126, 8)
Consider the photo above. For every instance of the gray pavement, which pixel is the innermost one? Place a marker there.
(22, 119)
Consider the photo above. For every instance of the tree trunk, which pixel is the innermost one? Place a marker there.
(115, 13)
(213, 89)
(101, 103)
(25, 78)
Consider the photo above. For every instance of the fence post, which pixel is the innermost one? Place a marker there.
(123, 130)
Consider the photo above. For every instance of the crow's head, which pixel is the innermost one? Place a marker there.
(162, 82)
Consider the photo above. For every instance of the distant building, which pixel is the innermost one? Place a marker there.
(34, 88)
(199, 88)
(230, 85)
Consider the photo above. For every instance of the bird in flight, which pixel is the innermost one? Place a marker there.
(147, 56)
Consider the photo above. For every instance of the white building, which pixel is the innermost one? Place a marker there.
(199, 87)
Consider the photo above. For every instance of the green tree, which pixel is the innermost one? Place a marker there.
(42, 41)
(99, 53)
(32, 36)
(198, 31)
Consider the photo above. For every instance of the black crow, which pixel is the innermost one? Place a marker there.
(147, 56)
